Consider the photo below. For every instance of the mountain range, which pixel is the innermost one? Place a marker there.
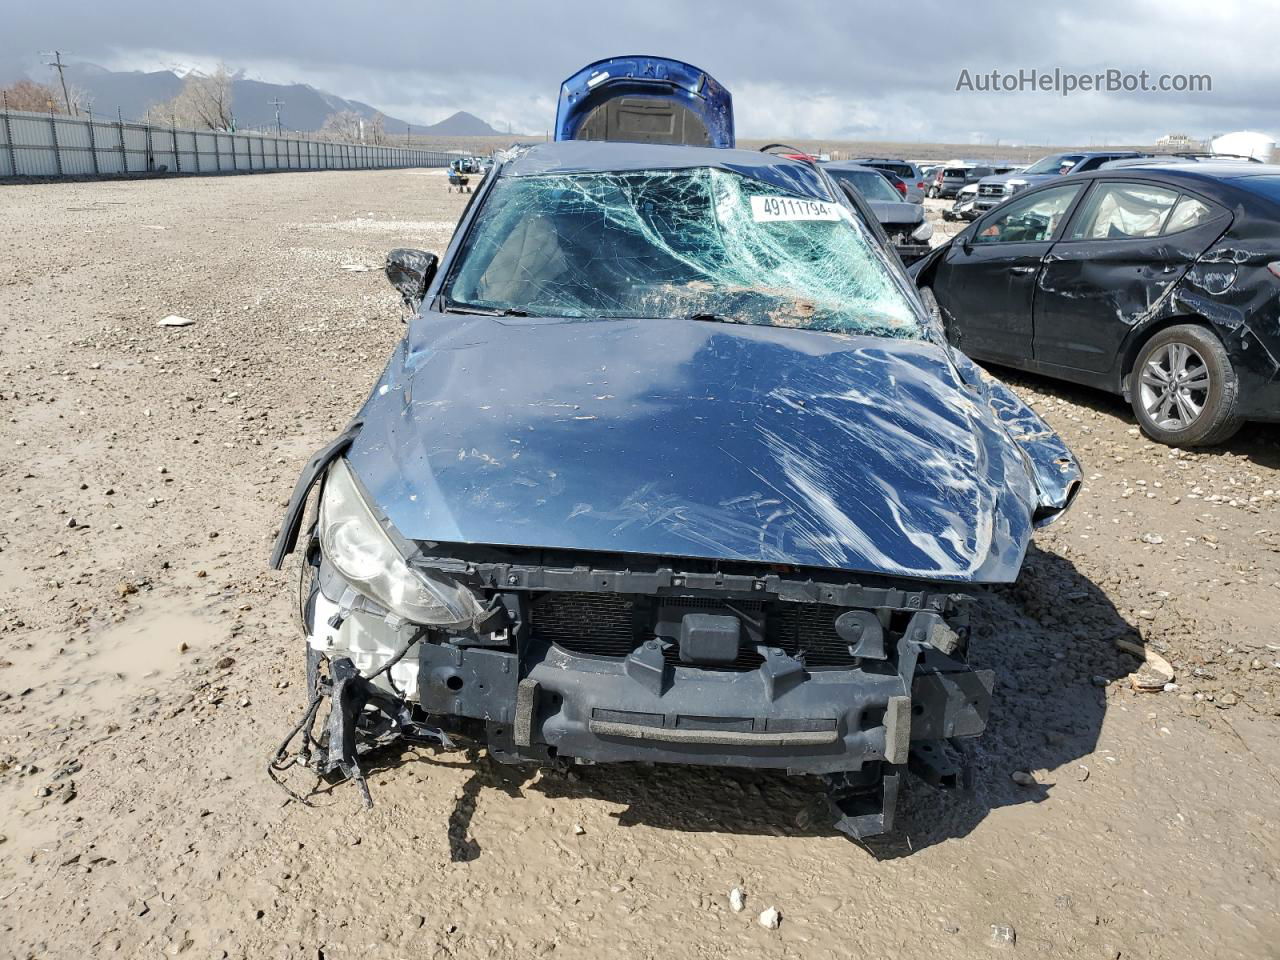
(303, 108)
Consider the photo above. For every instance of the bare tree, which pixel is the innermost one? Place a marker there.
(350, 127)
(80, 98)
(36, 97)
(344, 125)
(203, 103)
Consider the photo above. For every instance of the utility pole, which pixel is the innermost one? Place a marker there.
(58, 65)
(407, 128)
(277, 103)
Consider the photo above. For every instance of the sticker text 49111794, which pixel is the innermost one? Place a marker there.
(764, 209)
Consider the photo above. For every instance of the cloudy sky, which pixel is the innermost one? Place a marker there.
(808, 68)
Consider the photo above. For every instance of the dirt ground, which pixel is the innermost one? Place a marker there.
(149, 662)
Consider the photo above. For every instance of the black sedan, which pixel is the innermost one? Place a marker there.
(1160, 283)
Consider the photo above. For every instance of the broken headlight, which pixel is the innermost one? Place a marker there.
(360, 550)
(923, 232)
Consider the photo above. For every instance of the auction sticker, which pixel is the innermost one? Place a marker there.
(765, 209)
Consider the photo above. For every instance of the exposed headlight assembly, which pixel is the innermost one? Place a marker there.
(359, 549)
(923, 232)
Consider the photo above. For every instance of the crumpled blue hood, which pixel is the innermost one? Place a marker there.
(686, 438)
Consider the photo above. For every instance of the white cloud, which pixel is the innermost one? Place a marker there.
(771, 109)
(820, 68)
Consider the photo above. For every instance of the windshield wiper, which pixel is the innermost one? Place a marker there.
(453, 306)
(713, 318)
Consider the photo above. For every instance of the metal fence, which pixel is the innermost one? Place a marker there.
(55, 145)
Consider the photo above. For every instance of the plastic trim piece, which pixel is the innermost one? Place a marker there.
(736, 738)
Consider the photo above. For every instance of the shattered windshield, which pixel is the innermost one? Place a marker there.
(702, 243)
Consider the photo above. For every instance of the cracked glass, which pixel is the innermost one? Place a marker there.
(702, 243)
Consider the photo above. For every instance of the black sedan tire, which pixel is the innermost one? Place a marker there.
(1183, 388)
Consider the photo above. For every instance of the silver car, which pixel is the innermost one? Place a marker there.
(906, 171)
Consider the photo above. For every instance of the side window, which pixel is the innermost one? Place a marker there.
(1093, 163)
(1189, 213)
(1124, 211)
(1028, 219)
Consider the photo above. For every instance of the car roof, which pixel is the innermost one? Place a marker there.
(1220, 181)
(598, 156)
(1178, 170)
(1089, 154)
(1219, 170)
(1128, 163)
(849, 166)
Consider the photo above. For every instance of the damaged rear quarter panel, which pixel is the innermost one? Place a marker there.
(1099, 301)
(1232, 290)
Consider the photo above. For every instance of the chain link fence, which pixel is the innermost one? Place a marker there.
(55, 145)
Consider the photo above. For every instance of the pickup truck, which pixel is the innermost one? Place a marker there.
(994, 190)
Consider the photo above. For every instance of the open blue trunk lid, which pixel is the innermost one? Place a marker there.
(640, 99)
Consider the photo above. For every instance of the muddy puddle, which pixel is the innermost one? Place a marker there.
(84, 678)
(111, 665)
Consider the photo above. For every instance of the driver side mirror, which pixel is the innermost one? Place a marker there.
(411, 272)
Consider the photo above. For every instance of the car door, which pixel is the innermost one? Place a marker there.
(916, 184)
(1128, 242)
(986, 281)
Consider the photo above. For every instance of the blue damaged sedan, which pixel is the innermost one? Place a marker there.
(670, 465)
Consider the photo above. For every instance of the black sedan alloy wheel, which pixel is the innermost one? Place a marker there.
(1184, 389)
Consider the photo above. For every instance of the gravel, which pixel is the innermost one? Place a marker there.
(1151, 807)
